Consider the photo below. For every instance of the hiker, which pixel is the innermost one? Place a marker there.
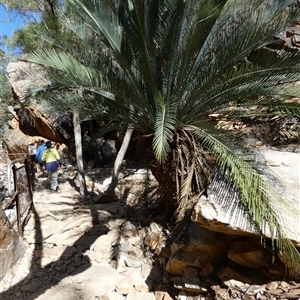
(38, 157)
(32, 151)
(52, 163)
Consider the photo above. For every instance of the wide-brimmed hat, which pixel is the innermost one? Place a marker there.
(48, 144)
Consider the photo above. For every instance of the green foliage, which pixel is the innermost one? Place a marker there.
(165, 66)
(24, 39)
(164, 127)
(6, 98)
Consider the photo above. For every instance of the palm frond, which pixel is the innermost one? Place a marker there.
(292, 109)
(164, 127)
(102, 19)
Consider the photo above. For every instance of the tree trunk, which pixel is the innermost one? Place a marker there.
(165, 175)
(118, 162)
(181, 177)
(79, 160)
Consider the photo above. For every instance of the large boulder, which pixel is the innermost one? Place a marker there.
(18, 135)
(32, 121)
(25, 77)
(222, 211)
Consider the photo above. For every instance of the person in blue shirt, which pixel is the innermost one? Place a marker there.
(39, 152)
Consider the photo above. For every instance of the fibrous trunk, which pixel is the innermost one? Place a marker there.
(183, 176)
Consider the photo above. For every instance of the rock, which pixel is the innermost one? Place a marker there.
(259, 143)
(131, 261)
(248, 253)
(103, 246)
(33, 125)
(109, 150)
(183, 296)
(155, 240)
(272, 285)
(232, 283)
(146, 270)
(105, 198)
(228, 274)
(161, 295)
(220, 292)
(125, 286)
(32, 122)
(155, 274)
(190, 281)
(97, 279)
(200, 247)
(295, 292)
(139, 296)
(138, 280)
(11, 246)
(29, 288)
(25, 78)
(111, 296)
(206, 270)
(67, 238)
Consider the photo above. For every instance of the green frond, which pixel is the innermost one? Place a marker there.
(74, 71)
(291, 108)
(164, 127)
(101, 19)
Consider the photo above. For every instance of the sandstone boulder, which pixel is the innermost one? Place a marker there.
(25, 78)
(222, 211)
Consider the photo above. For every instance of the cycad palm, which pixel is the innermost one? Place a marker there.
(165, 66)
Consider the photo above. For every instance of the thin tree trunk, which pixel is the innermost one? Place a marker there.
(79, 160)
(118, 162)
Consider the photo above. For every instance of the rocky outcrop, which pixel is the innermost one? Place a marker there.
(35, 121)
(32, 122)
(16, 141)
(25, 78)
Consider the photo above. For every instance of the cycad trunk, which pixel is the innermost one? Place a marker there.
(183, 176)
(166, 177)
